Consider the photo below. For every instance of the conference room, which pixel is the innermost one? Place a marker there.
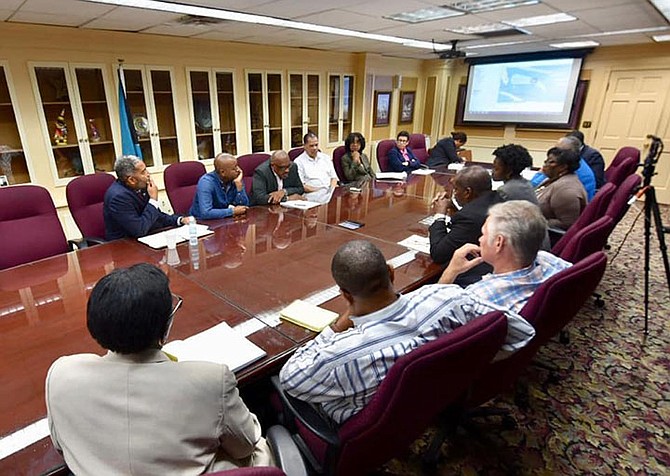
(203, 78)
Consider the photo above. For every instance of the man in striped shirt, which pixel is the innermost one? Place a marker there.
(342, 367)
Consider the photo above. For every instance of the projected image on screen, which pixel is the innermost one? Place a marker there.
(539, 91)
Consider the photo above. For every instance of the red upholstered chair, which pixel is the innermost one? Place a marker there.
(617, 174)
(29, 226)
(337, 162)
(621, 154)
(417, 142)
(181, 181)
(253, 471)
(383, 148)
(595, 209)
(553, 305)
(248, 164)
(417, 388)
(588, 240)
(618, 206)
(295, 152)
(85, 198)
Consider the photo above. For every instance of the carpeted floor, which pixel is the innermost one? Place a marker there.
(609, 414)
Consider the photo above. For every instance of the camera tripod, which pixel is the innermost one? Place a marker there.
(651, 210)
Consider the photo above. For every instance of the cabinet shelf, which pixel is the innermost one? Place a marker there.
(56, 103)
(6, 104)
(10, 151)
(100, 142)
(65, 146)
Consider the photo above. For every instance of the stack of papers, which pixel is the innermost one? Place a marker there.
(391, 175)
(219, 344)
(416, 243)
(308, 315)
(455, 166)
(300, 204)
(157, 240)
(423, 171)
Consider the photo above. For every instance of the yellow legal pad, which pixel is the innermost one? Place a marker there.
(308, 315)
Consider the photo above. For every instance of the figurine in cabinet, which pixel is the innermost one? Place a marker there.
(95, 133)
(60, 133)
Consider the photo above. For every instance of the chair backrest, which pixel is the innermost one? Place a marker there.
(617, 174)
(85, 198)
(295, 152)
(419, 386)
(552, 306)
(337, 162)
(588, 240)
(595, 209)
(181, 181)
(29, 225)
(622, 154)
(383, 148)
(618, 206)
(417, 142)
(248, 164)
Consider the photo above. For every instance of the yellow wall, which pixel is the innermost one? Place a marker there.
(23, 44)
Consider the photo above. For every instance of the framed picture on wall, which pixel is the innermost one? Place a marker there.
(382, 108)
(407, 106)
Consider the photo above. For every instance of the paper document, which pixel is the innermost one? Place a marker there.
(308, 315)
(391, 175)
(157, 240)
(455, 166)
(423, 171)
(416, 243)
(300, 204)
(219, 344)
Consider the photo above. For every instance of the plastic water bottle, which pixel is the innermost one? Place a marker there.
(192, 232)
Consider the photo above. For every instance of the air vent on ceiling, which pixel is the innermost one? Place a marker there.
(499, 33)
(195, 20)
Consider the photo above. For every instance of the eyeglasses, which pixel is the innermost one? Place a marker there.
(402, 140)
(176, 304)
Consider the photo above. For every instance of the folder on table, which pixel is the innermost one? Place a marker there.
(308, 315)
(219, 344)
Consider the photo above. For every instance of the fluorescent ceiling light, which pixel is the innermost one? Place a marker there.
(425, 14)
(662, 6)
(661, 38)
(575, 44)
(480, 6)
(478, 29)
(493, 45)
(179, 8)
(624, 32)
(541, 20)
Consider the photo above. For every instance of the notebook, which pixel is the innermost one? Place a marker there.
(219, 344)
(308, 315)
(157, 240)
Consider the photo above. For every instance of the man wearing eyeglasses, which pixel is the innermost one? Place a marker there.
(135, 410)
(276, 181)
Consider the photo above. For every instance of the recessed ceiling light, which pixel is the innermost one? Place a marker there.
(575, 44)
(478, 29)
(480, 6)
(182, 9)
(660, 38)
(425, 14)
(541, 20)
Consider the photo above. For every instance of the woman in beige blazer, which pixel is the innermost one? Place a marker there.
(136, 411)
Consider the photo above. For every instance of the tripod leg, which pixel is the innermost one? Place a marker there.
(660, 233)
(647, 241)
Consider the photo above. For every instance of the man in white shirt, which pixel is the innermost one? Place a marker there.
(316, 170)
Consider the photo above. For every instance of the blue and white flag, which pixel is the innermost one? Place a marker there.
(129, 142)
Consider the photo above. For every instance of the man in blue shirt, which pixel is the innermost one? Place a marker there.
(591, 156)
(584, 172)
(220, 193)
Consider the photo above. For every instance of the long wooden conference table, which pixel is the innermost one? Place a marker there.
(243, 274)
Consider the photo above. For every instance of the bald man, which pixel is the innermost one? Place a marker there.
(276, 181)
(220, 193)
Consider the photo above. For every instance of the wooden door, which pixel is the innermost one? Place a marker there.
(635, 105)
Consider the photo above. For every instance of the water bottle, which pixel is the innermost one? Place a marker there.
(192, 232)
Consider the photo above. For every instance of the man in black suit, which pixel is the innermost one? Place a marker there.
(468, 206)
(445, 151)
(131, 207)
(591, 156)
(276, 180)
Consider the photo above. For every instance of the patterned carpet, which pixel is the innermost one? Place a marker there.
(610, 414)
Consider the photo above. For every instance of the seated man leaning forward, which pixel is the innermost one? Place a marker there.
(467, 206)
(276, 181)
(316, 170)
(137, 411)
(220, 193)
(341, 369)
(131, 207)
(511, 239)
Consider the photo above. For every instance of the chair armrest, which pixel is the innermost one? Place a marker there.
(60, 470)
(286, 452)
(92, 240)
(555, 234)
(307, 415)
